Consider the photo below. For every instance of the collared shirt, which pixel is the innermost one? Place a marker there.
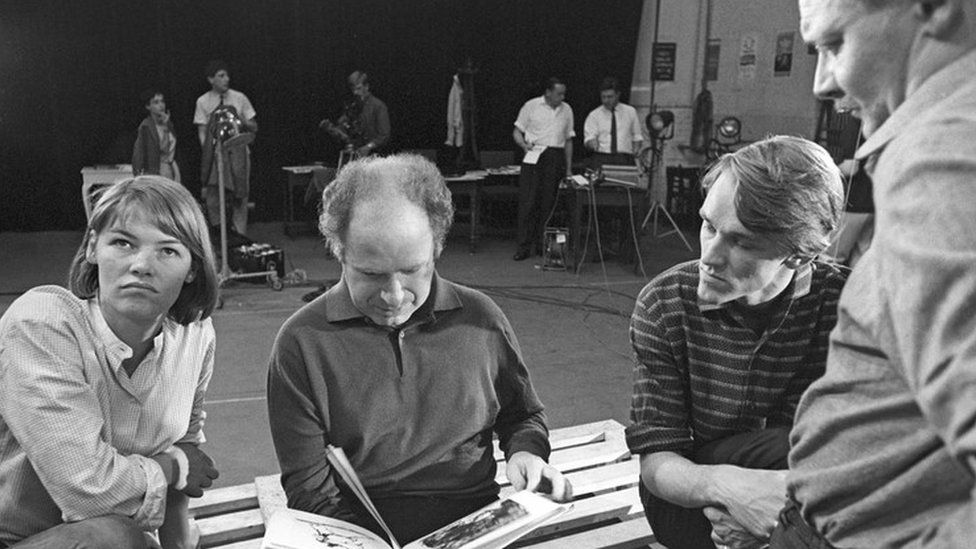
(414, 407)
(209, 101)
(703, 374)
(75, 429)
(544, 125)
(598, 123)
(884, 447)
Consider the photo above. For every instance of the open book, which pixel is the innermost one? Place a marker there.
(491, 527)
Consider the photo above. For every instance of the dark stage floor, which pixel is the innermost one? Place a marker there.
(572, 328)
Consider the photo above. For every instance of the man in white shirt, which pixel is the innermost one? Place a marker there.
(544, 129)
(612, 130)
(237, 167)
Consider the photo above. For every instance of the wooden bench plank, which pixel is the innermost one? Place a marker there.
(629, 534)
(567, 437)
(616, 476)
(230, 527)
(224, 500)
(248, 544)
(590, 511)
(581, 457)
(271, 496)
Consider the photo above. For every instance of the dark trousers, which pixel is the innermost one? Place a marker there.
(678, 527)
(537, 195)
(411, 517)
(793, 532)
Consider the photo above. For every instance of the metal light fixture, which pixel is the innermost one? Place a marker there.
(730, 128)
(660, 124)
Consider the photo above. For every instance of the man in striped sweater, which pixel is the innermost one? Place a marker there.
(725, 345)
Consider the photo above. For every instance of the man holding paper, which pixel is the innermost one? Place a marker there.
(544, 129)
(406, 372)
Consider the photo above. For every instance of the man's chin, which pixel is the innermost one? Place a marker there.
(709, 295)
(390, 320)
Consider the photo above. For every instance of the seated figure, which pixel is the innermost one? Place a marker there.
(726, 344)
(410, 374)
(102, 385)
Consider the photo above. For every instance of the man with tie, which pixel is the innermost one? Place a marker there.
(237, 168)
(612, 130)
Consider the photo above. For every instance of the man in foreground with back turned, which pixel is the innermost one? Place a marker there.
(408, 373)
(725, 345)
(884, 446)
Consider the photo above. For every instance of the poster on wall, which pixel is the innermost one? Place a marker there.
(712, 51)
(747, 58)
(783, 62)
(663, 57)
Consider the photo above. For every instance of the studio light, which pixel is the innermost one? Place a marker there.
(660, 124)
(730, 128)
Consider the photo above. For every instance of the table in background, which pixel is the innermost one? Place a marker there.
(92, 176)
(634, 198)
(299, 176)
(474, 184)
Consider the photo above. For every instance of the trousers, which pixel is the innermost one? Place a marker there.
(537, 196)
(677, 527)
(105, 532)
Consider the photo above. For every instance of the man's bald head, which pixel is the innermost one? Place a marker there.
(380, 184)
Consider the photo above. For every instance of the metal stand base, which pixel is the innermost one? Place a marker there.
(656, 207)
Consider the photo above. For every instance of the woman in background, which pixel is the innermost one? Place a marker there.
(155, 148)
(102, 386)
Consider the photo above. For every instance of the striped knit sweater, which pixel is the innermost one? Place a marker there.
(701, 374)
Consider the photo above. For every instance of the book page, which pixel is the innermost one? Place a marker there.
(337, 458)
(495, 525)
(291, 529)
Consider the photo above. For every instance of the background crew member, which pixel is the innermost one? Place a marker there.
(612, 130)
(237, 169)
(364, 125)
(155, 147)
(544, 125)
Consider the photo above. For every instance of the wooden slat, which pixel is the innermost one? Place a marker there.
(224, 500)
(271, 496)
(581, 457)
(248, 544)
(629, 534)
(230, 527)
(567, 437)
(590, 511)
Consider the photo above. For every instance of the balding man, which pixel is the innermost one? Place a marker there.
(884, 444)
(410, 374)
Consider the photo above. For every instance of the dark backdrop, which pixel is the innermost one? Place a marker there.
(71, 73)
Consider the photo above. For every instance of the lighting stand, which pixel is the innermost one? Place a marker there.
(658, 207)
(225, 274)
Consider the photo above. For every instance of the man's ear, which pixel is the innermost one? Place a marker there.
(939, 18)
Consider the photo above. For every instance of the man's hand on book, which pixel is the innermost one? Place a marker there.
(530, 472)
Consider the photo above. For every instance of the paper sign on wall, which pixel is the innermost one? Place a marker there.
(783, 62)
(712, 55)
(748, 48)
